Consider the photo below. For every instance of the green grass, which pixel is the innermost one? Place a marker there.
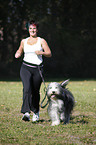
(80, 131)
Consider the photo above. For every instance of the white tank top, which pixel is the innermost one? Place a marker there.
(29, 52)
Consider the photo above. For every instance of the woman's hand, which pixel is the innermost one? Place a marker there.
(20, 50)
(38, 52)
(47, 51)
(17, 54)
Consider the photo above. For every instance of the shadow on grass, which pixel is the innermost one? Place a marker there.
(41, 121)
(82, 119)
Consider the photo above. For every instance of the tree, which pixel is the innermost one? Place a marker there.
(67, 25)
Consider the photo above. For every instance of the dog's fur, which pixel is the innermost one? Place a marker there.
(61, 102)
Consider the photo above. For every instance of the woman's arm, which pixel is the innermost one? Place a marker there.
(46, 52)
(20, 50)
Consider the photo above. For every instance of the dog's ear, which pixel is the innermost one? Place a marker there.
(64, 84)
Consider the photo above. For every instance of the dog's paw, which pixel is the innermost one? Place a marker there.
(55, 123)
(62, 117)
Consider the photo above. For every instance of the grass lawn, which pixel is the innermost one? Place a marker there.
(80, 131)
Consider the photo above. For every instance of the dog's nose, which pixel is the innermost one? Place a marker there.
(53, 92)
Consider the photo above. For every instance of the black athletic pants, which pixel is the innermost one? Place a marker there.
(31, 80)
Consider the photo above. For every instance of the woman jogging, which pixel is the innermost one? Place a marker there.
(34, 48)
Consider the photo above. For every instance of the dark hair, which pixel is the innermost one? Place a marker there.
(32, 22)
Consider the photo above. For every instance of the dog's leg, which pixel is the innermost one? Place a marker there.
(62, 116)
(55, 122)
(67, 118)
(54, 116)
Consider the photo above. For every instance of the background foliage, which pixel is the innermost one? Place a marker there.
(69, 27)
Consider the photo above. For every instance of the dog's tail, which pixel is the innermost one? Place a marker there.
(64, 84)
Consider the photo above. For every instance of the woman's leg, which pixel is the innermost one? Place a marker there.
(36, 83)
(26, 80)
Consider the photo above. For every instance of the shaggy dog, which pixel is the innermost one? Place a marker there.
(61, 102)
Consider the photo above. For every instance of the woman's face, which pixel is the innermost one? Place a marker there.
(32, 30)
